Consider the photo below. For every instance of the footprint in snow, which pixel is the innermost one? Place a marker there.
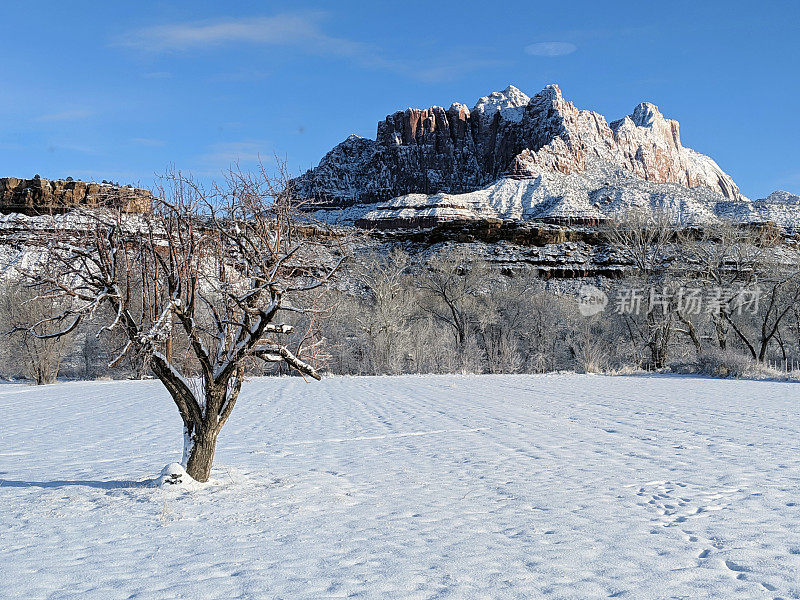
(768, 587)
(675, 503)
(736, 566)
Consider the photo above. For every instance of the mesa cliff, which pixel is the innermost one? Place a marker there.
(42, 196)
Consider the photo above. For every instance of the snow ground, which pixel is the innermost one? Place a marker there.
(559, 486)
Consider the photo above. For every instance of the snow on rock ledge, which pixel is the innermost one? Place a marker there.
(590, 197)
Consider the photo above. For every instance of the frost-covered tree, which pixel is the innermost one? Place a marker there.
(221, 266)
(387, 309)
(644, 239)
(455, 286)
(26, 354)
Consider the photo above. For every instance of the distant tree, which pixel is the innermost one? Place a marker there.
(387, 309)
(644, 239)
(455, 283)
(722, 257)
(752, 265)
(29, 355)
(221, 265)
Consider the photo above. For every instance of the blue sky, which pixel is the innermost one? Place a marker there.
(112, 90)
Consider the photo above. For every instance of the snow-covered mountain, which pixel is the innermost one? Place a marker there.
(518, 157)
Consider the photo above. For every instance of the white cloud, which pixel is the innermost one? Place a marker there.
(66, 115)
(550, 49)
(302, 31)
(298, 29)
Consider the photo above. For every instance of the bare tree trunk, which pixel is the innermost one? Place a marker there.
(200, 434)
(721, 328)
(199, 451)
(659, 333)
(691, 331)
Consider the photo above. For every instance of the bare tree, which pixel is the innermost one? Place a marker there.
(456, 285)
(588, 346)
(31, 356)
(753, 265)
(644, 239)
(506, 312)
(723, 256)
(387, 311)
(221, 265)
(778, 295)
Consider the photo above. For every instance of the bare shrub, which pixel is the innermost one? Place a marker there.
(732, 363)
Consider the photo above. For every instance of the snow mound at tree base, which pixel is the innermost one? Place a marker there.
(175, 476)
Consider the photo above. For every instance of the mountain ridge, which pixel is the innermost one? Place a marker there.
(434, 164)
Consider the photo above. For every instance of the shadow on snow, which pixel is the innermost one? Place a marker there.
(102, 485)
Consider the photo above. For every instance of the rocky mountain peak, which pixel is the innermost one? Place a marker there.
(783, 197)
(552, 92)
(645, 114)
(507, 133)
(508, 103)
(459, 109)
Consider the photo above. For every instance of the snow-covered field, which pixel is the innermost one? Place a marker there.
(562, 486)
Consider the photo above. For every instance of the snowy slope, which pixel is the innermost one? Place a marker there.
(600, 192)
(562, 486)
(22, 236)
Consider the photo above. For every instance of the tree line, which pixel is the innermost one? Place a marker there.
(722, 299)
